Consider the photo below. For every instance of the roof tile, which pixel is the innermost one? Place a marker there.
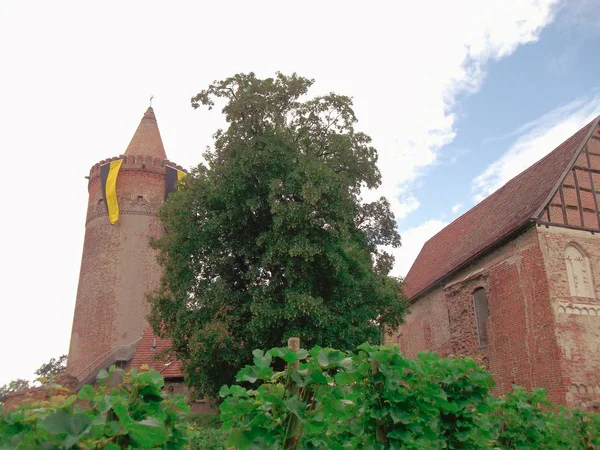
(499, 214)
(149, 347)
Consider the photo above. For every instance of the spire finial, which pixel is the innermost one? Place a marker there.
(151, 98)
(147, 141)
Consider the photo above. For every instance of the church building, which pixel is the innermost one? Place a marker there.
(515, 281)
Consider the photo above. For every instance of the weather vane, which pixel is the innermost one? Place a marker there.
(151, 97)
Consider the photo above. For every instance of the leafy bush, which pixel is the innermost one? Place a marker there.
(206, 432)
(528, 420)
(376, 398)
(135, 414)
(208, 439)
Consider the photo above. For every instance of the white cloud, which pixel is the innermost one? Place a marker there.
(456, 208)
(412, 242)
(425, 77)
(79, 75)
(536, 139)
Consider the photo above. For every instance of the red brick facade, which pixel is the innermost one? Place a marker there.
(118, 266)
(541, 279)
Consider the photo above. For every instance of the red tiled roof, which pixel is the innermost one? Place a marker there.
(499, 214)
(149, 347)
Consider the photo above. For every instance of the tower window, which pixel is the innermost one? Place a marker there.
(140, 198)
(100, 201)
(480, 303)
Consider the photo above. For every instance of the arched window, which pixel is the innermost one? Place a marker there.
(480, 303)
(579, 273)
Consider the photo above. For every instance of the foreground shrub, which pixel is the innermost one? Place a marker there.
(376, 398)
(528, 420)
(208, 439)
(135, 414)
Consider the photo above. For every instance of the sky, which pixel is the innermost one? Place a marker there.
(458, 97)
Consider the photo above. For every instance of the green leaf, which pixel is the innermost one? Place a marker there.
(261, 360)
(224, 391)
(78, 423)
(57, 423)
(86, 393)
(148, 433)
(296, 407)
(102, 376)
(121, 411)
(290, 357)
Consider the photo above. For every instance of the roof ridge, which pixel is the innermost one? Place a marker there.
(592, 127)
(502, 212)
(524, 172)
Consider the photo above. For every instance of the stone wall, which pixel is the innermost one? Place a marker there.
(572, 260)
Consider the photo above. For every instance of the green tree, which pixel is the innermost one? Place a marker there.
(270, 238)
(46, 373)
(52, 368)
(15, 385)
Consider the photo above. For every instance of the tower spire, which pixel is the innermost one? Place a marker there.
(147, 141)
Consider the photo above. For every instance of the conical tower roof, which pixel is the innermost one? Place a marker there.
(147, 141)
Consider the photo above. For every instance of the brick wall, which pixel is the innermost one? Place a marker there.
(426, 327)
(118, 267)
(521, 348)
(577, 317)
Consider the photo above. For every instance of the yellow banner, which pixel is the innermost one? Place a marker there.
(111, 191)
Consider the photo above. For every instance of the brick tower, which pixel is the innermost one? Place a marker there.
(118, 267)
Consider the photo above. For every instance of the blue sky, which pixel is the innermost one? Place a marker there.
(458, 97)
(555, 77)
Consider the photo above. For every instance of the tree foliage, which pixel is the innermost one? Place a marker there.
(15, 385)
(52, 368)
(45, 373)
(270, 238)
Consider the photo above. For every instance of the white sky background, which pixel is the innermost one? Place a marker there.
(75, 79)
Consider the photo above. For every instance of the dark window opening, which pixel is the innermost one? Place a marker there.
(120, 364)
(480, 303)
(100, 201)
(140, 198)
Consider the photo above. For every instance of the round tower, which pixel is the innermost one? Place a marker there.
(118, 267)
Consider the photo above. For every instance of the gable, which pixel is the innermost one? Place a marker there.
(575, 202)
(518, 203)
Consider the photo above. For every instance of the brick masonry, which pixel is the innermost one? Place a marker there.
(540, 336)
(541, 280)
(521, 347)
(118, 266)
(576, 318)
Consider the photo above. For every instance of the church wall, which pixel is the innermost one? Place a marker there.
(426, 327)
(572, 259)
(521, 346)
